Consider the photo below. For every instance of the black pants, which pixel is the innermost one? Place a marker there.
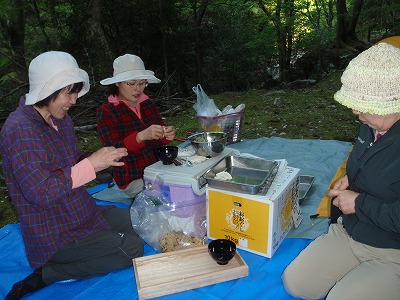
(98, 254)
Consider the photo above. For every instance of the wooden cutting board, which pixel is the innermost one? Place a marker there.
(182, 270)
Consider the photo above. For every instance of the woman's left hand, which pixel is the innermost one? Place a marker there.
(345, 200)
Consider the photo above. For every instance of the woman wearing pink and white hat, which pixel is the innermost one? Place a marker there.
(131, 119)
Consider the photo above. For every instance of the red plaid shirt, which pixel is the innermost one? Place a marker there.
(118, 126)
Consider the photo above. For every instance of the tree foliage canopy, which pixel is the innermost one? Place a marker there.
(226, 45)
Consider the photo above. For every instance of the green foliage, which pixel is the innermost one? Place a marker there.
(238, 53)
(309, 113)
(380, 20)
(233, 46)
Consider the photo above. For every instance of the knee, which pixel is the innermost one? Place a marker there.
(291, 282)
(135, 246)
(295, 284)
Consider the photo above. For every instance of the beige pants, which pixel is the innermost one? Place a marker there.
(134, 188)
(337, 267)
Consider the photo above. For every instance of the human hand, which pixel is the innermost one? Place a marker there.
(341, 184)
(345, 200)
(169, 132)
(153, 132)
(106, 157)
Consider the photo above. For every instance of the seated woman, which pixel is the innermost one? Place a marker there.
(66, 235)
(131, 119)
(359, 257)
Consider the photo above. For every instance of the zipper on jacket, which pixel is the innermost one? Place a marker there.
(365, 151)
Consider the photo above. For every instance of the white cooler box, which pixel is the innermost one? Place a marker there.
(182, 183)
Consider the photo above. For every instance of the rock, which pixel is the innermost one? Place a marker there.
(298, 84)
(277, 101)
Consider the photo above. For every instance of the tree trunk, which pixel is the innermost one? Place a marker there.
(15, 33)
(289, 29)
(41, 24)
(357, 7)
(198, 13)
(284, 31)
(346, 36)
(164, 50)
(341, 11)
(95, 28)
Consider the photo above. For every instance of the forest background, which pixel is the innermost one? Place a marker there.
(282, 58)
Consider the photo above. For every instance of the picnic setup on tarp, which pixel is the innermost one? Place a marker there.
(221, 216)
(319, 158)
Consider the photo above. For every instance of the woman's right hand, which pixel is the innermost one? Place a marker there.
(106, 157)
(153, 132)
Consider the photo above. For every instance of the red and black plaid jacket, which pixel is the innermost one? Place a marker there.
(118, 126)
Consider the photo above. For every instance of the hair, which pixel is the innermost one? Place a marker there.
(71, 89)
(113, 90)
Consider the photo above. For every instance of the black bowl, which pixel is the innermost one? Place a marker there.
(222, 251)
(167, 154)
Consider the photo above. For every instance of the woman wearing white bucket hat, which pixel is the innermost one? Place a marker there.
(131, 119)
(359, 257)
(66, 235)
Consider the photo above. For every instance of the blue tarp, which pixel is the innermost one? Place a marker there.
(314, 157)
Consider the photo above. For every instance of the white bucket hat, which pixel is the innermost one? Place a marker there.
(130, 67)
(52, 71)
(371, 81)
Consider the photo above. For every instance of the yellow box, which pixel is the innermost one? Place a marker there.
(256, 223)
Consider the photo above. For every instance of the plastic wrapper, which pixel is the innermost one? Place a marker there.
(204, 106)
(168, 224)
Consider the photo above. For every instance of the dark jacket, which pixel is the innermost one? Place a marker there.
(373, 170)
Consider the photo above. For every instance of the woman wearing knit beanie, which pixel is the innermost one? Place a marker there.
(359, 257)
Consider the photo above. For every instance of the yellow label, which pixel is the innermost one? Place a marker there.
(241, 220)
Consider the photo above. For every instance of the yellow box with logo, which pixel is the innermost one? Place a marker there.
(256, 223)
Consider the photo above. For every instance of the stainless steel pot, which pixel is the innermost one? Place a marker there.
(208, 144)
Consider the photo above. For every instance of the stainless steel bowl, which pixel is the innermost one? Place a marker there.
(208, 144)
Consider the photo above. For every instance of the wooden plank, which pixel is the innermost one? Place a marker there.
(182, 270)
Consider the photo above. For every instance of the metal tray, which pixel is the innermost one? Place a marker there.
(305, 183)
(249, 175)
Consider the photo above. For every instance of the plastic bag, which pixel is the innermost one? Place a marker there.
(204, 106)
(166, 225)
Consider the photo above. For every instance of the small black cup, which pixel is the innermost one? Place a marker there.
(167, 154)
(222, 250)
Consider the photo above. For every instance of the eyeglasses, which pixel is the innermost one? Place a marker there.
(140, 84)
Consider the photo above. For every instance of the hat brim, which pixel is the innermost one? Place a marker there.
(59, 81)
(368, 104)
(131, 75)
